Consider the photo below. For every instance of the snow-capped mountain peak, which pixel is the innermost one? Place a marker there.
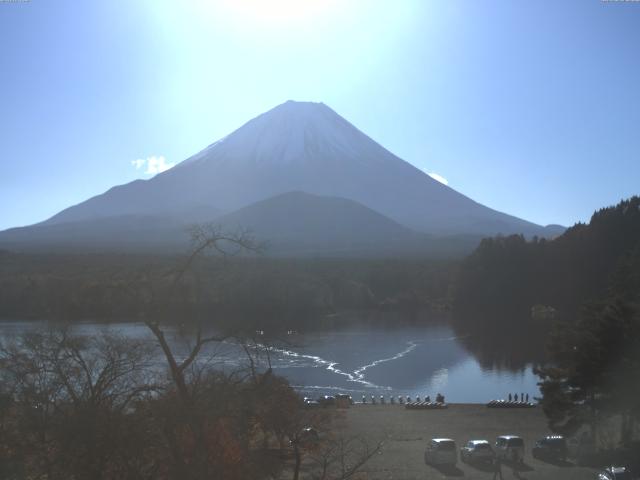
(291, 132)
(303, 147)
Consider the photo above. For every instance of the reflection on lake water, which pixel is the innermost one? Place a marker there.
(393, 360)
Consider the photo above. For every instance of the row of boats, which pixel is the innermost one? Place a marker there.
(403, 400)
(509, 404)
(426, 406)
(342, 400)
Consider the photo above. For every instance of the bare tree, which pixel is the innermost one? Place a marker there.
(70, 399)
(205, 239)
(342, 458)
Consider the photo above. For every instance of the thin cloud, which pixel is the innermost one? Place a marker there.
(153, 164)
(438, 178)
(139, 163)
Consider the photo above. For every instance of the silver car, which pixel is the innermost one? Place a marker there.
(441, 451)
(615, 473)
(510, 447)
(476, 451)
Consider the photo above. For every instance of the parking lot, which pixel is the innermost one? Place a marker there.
(407, 432)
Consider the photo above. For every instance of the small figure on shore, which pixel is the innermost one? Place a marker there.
(408, 399)
(373, 400)
(428, 399)
(522, 397)
(439, 398)
(510, 397)
(497, 468)
(418, 399)
(515, 397)
(381, 399)
(527, 398)
(364, 399)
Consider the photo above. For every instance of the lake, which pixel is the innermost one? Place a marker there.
(372, 360)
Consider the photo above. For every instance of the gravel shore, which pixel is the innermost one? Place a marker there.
(406, 433)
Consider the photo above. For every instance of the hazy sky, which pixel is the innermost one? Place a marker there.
(530, 107)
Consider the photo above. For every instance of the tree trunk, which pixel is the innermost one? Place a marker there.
(296, 452)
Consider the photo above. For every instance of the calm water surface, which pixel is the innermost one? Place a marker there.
(403, 360)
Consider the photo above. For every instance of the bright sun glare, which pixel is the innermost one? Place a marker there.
(276, 12)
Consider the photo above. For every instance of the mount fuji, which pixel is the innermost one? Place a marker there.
(302, 147)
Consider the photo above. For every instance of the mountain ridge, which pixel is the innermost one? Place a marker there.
(294, 147)
(292, 224)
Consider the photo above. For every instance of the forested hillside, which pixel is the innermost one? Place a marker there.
(593, 372)
(505, 277)
(280, 293)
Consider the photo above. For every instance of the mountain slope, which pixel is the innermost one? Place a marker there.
(134, 233)
(300, 146)
(303, 223)
(291, 224)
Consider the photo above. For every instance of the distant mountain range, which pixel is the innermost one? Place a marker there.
(300, 177)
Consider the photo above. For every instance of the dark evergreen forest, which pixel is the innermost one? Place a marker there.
(498, 285)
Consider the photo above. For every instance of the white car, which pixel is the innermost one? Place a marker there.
(476, 451)
(441, 451)
(510, 447)
(615, 473)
